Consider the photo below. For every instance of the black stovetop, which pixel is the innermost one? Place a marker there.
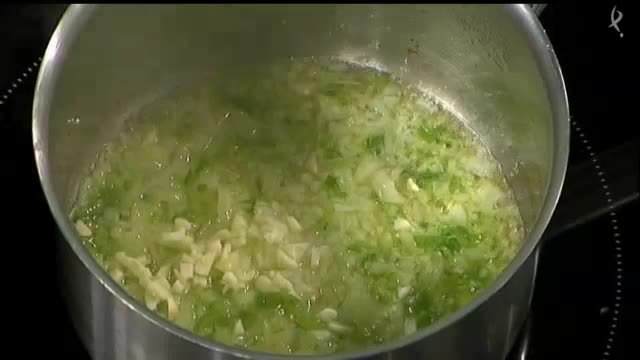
(584, 298)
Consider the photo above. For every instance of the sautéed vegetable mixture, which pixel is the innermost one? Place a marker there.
(314, 208)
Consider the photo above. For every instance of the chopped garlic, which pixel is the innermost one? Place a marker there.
(239, 230)
(135, 267)
(403, 292)
(246, 276)
(286, 260)
(339, 328)
(409, 326)
(174, 236)
(412, 185)
(223, 234)
(82, 229)
(296, 250)
(163, 272)
(328, 314)
(304, 288)
(188, 242)
(159, 288)
(265, 284)
(294, 224)
(487, 195)
(274, 231)
(401, 224)
(273, 236)
(239, 224)
(254, 232)
(386, 188)
(200, 281)
(230, 262)
(226, 250)
(230, 280)
(238, 328)
(143, 259)
(151, 301)
(203, 265)
(283, 283)
(315, 256)
(177, 240)
(197, 249)
(321, 335)
(117, 275)
(172, 309)
(178, 287)
(214, 246)
(181, 223)
(313, 164)
(151, 138)
(239, 240)
(457, 214)
(186, 270)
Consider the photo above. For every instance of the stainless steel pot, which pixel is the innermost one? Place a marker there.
(492, 65)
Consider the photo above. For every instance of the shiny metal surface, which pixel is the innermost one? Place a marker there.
(492, 65)
(538, 8)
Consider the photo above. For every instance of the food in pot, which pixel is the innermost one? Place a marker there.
(314, 208)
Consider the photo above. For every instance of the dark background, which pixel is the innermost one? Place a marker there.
(575, 296)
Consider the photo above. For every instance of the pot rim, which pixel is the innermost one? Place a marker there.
(69, 28)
